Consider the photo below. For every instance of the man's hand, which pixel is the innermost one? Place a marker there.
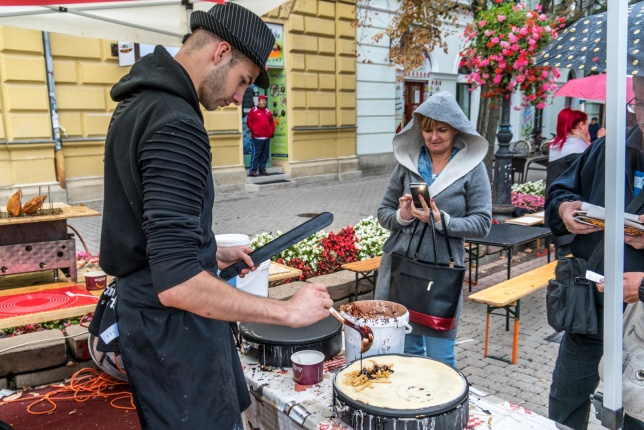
(636, 242)
(567, 215)
(632, 282)
(230, 255)
(309, 305)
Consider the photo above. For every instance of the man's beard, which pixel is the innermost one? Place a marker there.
(213, 88)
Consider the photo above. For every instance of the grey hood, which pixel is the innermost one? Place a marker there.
(473, 147)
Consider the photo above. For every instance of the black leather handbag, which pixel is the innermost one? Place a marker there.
(428, 289)
(570, 297)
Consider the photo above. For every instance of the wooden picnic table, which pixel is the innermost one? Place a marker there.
(537, 218)
(278, 272)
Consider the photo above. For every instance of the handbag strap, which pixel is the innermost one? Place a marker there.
(598, 253)
(433, 231)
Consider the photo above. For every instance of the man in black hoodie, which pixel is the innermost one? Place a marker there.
(576, 375)
(172, 311)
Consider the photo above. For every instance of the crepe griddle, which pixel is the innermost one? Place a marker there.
(273, 345)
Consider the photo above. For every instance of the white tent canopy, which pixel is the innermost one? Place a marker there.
(157, 22)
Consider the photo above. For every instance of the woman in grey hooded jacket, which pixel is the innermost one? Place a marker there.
(440, 147)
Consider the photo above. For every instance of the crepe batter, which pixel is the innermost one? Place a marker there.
(417, 383)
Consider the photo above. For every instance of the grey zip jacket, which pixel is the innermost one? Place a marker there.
(462, 191)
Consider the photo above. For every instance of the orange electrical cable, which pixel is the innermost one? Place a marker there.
(85, 384)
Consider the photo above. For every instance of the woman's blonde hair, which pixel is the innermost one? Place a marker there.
(426, 123)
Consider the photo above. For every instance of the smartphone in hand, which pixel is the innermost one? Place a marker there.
(419, 188)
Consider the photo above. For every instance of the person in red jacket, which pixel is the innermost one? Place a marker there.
(261, 125)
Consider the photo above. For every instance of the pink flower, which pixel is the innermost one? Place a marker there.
(543, 17)
(495, 40)
(501, 18)
(482, 23)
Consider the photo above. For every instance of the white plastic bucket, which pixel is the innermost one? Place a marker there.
(388, 332)
(256, 282)
(228, 240)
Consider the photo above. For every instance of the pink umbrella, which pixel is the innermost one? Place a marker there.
(591, 88)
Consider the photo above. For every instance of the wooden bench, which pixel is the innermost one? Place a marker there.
(364, 269)
(507, 295)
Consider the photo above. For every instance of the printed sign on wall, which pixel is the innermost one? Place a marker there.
(276, 57)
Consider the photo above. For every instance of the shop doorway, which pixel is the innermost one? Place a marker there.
(414, 94)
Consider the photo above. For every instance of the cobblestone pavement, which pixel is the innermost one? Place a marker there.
(526, 384)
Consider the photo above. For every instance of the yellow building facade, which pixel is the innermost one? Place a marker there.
(319, 63)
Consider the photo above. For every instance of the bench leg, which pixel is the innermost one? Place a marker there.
(515, 340)
(373, 279)
(516, 314)
(355, 297)
(375, 282)
(487, 328)
(469, 246)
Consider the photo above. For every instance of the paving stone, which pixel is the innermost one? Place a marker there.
(77, 342)
(51, 375)
(32, 351)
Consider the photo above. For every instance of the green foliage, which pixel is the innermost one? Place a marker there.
(31, 328)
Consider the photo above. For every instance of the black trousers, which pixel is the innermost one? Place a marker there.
(575, 378)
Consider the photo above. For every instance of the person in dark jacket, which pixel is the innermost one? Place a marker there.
(593, 129)
(576, 375)
(172, 311)
(261, 125)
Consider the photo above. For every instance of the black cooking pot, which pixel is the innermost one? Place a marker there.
(273, 345)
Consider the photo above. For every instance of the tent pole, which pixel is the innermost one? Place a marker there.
(612, 411)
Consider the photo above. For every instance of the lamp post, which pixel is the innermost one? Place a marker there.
(502, 183)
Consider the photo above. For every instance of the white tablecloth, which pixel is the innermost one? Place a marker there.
(280, 403)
